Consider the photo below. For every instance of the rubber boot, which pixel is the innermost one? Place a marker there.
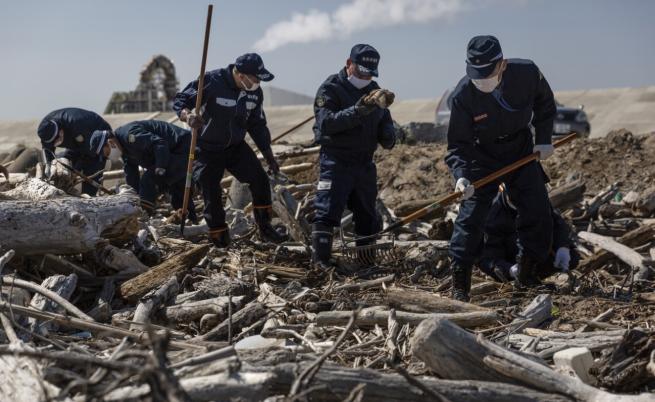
(220, 237)
(527, 276)
(461, 276)
(322, 246)
(266, 231)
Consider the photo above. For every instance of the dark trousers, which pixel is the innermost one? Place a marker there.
(347, 183)
(240, 160)
(533, 222)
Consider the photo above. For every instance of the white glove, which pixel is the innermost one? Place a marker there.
(464, 186)
(562, 259)
(160, 171)
(514, 271)
(545, 150)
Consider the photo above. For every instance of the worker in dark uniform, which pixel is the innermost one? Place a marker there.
(495, 108)
(500, 247)
(232, 106)
(71, 128)
(160, 148)
(349, 128)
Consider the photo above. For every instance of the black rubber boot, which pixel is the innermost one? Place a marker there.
(322, 246)
(220, 237)
(527, 275)
(266, 231)
(461, 282)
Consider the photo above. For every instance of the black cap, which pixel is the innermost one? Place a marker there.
(482, 55)
(98, 140)
(47, 131)
(366, 58)
(252, 64)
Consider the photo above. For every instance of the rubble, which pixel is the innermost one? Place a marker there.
(101, 302)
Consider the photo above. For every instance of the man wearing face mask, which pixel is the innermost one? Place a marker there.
(232, 106)
(160, 148)
(71, 128)
(351, 119)
(494, 110)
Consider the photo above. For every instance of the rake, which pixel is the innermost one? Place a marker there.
(386, 252)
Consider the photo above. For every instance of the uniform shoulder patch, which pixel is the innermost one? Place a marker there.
(320, 100)
(131, 138)
(79, 138)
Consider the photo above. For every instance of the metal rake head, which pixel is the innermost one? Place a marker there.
(380, 252)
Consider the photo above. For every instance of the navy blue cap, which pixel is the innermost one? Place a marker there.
(47, 131)
(366, 58)
(98, 140)
(252, 64)
(482, 55)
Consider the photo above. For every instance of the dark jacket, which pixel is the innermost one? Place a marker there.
(153, 144)
(338, 127)
(78, 125)
(229, 112)
(488, 131)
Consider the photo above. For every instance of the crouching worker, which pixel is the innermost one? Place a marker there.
(160, 148)
(500, 248)
(71, 128)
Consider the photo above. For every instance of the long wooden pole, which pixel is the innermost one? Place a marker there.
(292, 129)
(194, 131)
(452, 197)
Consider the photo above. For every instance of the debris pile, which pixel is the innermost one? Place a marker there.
(102, 302)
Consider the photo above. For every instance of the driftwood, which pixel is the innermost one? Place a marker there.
(365, 284)
(426, 302)
(194, 310)
(34, 190)
(285, 207)
(536, 313)
(94, 327)
(633, 238)
(551, 342)
(369, 318)
(101, 310)
(334, 383)
(567, 194)
(62, 286)
(67, 225)
(645, 205)
(138, 286)
(152, 301)
(624, 253)
(122, 260)
(248, 315)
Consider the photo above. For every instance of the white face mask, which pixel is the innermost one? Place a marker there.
(60, 138)
(358, 83)
(252, 87)
(115, 154)
(487, 85)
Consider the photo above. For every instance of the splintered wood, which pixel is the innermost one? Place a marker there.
(102, 302)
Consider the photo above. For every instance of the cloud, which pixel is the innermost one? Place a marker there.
(358, 15)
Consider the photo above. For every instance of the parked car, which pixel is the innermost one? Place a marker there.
(567, 120)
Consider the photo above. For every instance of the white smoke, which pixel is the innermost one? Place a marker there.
(358, 15)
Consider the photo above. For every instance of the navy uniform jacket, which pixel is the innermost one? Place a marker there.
(152, 144)
(228, 112)
(78, 125)
(500, 233)
(481, 129)
(338, 127)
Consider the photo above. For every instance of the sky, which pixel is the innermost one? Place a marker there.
(77, 52)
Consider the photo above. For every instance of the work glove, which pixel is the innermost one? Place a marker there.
(363, 107)
(562, 259)
(383, 98)
(194, 120)
(270, 160)
(545, 150)
(160, 176)
(465, 187)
